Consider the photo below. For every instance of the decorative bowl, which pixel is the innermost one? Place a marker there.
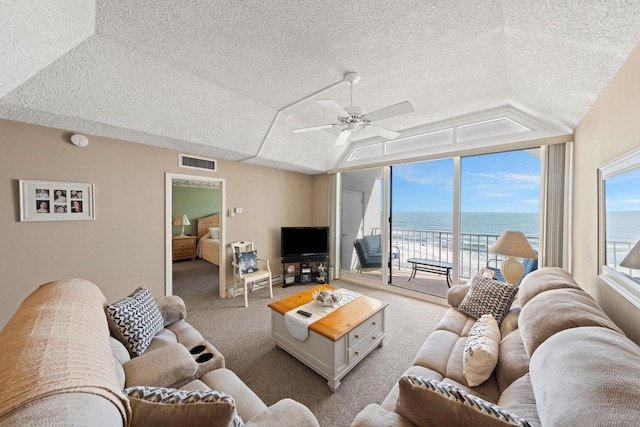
(326, 297)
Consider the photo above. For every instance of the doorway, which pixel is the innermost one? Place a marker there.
(198, 227)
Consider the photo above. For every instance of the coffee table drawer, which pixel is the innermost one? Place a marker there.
(365, 344)
(364, 330)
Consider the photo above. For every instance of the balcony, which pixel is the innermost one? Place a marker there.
(437, 245)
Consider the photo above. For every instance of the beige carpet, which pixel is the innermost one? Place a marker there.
(243, 336)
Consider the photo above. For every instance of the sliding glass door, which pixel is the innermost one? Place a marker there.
(422, 196)
(443, 216)
(362, 219)
(499, 192)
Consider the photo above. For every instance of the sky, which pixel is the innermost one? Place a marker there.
(498, 182)
(623, 192)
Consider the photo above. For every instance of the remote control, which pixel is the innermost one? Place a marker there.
(304, 313)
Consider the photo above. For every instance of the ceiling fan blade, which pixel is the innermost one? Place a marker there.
(342, 138)
(385, 133)
(309, 129)
(332, 106)
(390, 111)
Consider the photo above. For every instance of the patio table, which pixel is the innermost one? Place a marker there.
(431, 266)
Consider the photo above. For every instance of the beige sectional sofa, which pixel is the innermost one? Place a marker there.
(561, 362)
(65, 361)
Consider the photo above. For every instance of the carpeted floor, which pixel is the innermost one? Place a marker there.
(242, 335)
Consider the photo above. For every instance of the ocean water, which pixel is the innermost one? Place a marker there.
(490, 223)
(429, 234)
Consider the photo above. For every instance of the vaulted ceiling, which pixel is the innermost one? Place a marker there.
(231, 79)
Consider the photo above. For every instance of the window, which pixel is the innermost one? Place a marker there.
(619, 216)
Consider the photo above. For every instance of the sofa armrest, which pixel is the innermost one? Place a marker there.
(285, 413)
(167, 366)
(456, 294)
(172, 308)
(376, 416)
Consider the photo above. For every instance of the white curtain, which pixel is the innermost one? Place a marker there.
(556, 206)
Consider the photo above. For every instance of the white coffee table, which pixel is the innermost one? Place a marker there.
(337, 342)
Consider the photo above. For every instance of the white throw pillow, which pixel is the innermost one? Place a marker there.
(214, 232)
(481, 350)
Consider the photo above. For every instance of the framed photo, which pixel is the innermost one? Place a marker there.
(56, 201)
(485, 272)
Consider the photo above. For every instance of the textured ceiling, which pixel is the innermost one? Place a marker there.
(218, 78)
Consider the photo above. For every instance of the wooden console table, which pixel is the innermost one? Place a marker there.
(430, 266)
(338, 341)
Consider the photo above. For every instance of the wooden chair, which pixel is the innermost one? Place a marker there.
(257, 273)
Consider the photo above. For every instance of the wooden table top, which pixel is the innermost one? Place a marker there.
(340, 321)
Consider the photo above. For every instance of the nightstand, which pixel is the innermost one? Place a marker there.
(184, 247)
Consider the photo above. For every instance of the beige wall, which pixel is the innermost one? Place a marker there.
(125, 246)
(610, 129)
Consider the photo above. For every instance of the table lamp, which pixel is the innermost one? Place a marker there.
(182, 220)
(632, 260)
(513, 244)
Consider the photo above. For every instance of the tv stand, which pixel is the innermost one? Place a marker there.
(304, 270)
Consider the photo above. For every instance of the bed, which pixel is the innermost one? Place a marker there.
(209, 246)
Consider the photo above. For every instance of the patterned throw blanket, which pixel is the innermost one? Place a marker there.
(58, 342)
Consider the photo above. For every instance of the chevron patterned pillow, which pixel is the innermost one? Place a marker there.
(419, 398)
(160, 406)
(488, 296)
(135, 320)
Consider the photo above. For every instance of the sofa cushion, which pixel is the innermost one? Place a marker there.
(426, 402)
(158, 406)
(588, 374)
(488, 296)
(556, 310)
(135, 320)
(519, 399)
(248, 403)
(513, 361)
(171, 365)
(481, 350)
(542, 280)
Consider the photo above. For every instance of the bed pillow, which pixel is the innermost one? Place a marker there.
(214, 233)
(488, 296)
(135, 320)
(481, 350)
(159, 406)
(427, 402)
(247, 261)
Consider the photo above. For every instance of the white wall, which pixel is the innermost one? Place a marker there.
(610, 129)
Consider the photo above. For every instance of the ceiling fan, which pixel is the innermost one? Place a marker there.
(354, 117)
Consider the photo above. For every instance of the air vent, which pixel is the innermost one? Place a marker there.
(193, 162)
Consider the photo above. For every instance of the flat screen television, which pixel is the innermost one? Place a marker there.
(299, 242)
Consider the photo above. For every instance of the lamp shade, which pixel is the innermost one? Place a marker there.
(632, 260)
(513, 243)
(182, 220)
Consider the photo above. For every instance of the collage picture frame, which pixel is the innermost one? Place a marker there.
(56, 201)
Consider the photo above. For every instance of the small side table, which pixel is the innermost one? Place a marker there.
(183, 247)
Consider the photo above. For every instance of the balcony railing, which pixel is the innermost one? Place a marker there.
(437, 245)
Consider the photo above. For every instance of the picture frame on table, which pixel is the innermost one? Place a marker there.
(486, 273)
(56, 201)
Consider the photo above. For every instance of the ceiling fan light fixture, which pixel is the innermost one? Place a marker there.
(353, 116)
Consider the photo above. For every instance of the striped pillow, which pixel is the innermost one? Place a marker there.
(135, 320)
(422, 395)
(160, 406)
